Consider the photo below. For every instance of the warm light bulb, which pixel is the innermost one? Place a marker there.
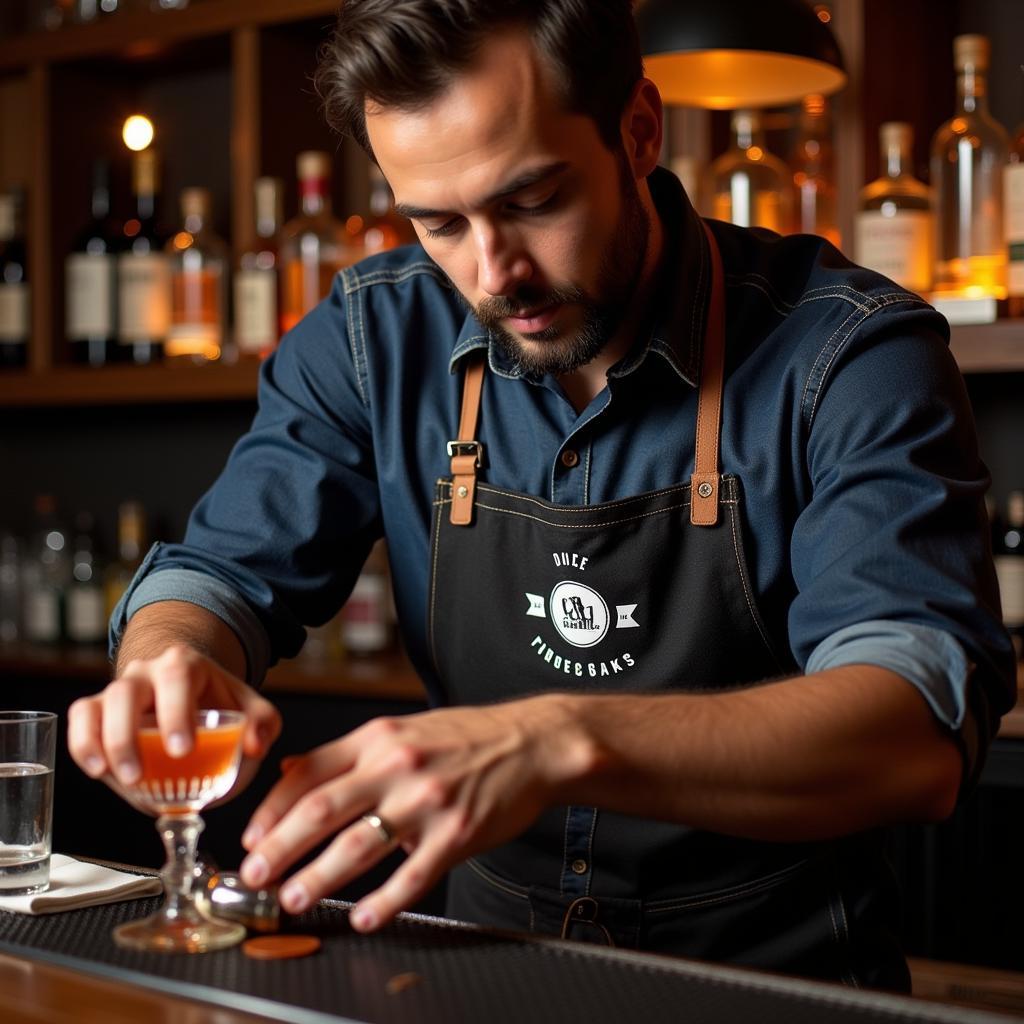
(137, 132)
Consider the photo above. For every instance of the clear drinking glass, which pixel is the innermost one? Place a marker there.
(176, 789)
(28, 745)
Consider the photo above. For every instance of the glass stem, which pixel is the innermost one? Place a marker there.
(180, 833)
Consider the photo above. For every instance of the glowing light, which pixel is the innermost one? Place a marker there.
(137, 132)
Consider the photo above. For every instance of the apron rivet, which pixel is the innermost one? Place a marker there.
(705, 490)
(462, 492)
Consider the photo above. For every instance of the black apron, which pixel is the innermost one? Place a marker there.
(647, 594)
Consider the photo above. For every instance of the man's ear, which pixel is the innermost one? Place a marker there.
(641, 128)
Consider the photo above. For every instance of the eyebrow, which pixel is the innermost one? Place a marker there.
(524, 180)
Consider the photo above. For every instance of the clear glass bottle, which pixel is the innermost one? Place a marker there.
(90, 280)
(131, 546)
(750, 186)
(47, 574)
(15, 324)
(969, 153)
(814, 173)
(143, 271)
(256, 284)
(199, 279)
(895, 223)
(314, 246)
(86, 618)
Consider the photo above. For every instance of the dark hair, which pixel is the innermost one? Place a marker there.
(404, 53)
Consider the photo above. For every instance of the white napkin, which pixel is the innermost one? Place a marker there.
(76, 883)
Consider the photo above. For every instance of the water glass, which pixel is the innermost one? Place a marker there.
(28, 745)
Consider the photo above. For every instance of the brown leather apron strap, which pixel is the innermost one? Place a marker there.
(706, 479)
(466, 451)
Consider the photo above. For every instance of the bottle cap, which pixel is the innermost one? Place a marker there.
(896, 133)
(970, 50)
(313, 164)
(196, 202)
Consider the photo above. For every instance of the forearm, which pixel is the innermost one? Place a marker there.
(157, 626)
(805, 758)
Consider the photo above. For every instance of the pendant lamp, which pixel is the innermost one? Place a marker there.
(728, 54)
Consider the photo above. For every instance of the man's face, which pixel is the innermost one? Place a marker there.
(537, 224)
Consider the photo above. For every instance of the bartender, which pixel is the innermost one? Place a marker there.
(685, 523)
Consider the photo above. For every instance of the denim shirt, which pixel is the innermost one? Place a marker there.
(844, 415)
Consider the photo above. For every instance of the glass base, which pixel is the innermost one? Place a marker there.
(187, 932)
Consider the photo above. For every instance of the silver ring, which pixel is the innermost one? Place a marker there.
(381, 827)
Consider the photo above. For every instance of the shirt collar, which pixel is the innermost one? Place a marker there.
(680, 304)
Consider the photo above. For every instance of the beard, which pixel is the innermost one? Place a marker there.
(554, 349)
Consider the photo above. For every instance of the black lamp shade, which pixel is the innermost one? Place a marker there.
(727, 54)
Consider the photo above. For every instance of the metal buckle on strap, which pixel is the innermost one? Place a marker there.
(474, 448)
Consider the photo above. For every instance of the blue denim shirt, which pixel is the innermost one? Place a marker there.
(844, 415)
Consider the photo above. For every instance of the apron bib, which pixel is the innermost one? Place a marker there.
(647, 594)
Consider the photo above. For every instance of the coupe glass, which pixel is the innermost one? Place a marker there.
(176, 789)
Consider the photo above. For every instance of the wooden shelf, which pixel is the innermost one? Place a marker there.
(142, 34)
(130, 385)
(388, 677)
(989, 348)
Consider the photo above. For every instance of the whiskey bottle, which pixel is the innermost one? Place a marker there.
(895, 225)
(143, 273)
(90, 280)
(814, 172)
(750, 186)
(969, 153)
(14, 289)
(314, 246)
(199, 277)
(384, 229)
(256, 284)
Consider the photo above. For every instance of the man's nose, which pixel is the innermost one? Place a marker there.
(502, 264)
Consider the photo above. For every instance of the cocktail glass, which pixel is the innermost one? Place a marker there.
(176, 789)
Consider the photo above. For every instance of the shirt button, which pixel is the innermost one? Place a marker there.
(570, 458)
(579, 865)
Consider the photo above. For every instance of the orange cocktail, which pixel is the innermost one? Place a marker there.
(178, 785)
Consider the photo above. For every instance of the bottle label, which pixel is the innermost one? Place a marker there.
(87, 621)
(14, 312)
(900, 247)
(255, 310)
(1010, 573)
(144, 310)
(1013, 207)
(90, 280)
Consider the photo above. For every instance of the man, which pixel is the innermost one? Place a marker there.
(615, 547)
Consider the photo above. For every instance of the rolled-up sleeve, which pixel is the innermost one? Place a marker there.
(890, 557)
(278, 541)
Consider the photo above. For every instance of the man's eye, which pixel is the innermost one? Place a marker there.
(537, 207)
(448, 228)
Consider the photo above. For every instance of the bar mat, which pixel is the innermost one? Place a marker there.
(426, 970)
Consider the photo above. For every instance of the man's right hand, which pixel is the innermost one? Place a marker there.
(174, 685)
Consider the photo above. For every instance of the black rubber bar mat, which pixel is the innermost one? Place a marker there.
(422, 970)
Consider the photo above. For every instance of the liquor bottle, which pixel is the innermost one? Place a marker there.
(131, 543)
(895, 225)
(1013, 212)
(814, 172)
(384, 229)
(367, 617)
(86, 618)
(314, 246)
(1009, 560)
(968, 155)
(90, 275)
(143, 272)
(14, 289)
(199, 280)
(10, 588)
(750, 186)
(256, 285)
(46, 575)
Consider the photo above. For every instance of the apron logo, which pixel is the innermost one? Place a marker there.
(579, 613)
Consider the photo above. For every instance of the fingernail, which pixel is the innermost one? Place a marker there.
(177, 744)
(364, 918)
(255, 870)
(128, 772)
(94, 765)
(252, 835)
(294, 898)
